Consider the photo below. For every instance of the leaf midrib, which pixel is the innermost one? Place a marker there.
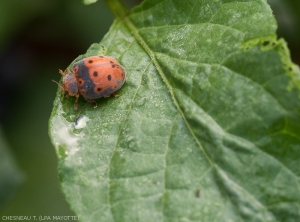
(144, 45)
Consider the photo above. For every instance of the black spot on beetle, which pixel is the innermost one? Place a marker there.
(112, 64)
(95, 73)
(90, 61)
(99, 89)
(109, 77)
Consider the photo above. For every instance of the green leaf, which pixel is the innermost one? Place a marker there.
(88, 2)
(205, 128)
(10, 176)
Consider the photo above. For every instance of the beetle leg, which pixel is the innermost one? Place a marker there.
(114, 95)
(61, 72)
(95, 104)
(92, 101)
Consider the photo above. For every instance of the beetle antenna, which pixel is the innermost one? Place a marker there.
(58, 84)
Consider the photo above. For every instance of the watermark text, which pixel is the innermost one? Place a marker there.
(40, 218)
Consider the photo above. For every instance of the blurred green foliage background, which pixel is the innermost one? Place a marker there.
(36, 39)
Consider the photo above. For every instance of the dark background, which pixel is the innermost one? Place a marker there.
(37, 37)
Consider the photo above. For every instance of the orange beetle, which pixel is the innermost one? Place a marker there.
(93, 77)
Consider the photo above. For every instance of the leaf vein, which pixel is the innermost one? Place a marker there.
(165, 165)
(191, 24)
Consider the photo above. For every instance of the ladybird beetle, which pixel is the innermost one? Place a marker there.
(93, 77)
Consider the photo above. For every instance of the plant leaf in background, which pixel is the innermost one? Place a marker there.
(205, 128)
(10, 176)
(88, 2)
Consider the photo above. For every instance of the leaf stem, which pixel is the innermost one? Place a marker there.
(119, 10)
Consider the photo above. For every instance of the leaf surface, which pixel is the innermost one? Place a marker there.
(205, 128)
